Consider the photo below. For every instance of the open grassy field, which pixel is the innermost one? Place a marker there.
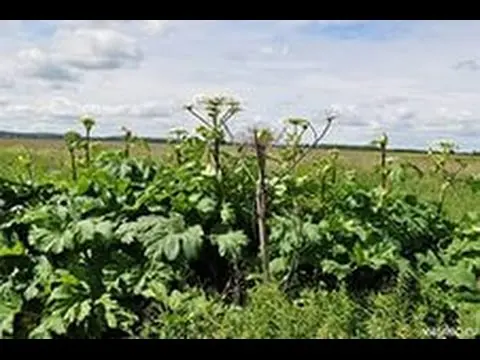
(52, 156)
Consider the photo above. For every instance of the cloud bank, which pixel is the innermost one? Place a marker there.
(417, 80)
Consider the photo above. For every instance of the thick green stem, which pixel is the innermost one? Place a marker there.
(73, 163)
(87, 147)
(383, 163)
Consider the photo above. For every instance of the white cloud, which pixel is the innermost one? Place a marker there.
(6, 82)
(417, 84)
(96, 49)
(37, 63)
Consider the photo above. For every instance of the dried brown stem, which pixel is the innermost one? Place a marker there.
(261, 203)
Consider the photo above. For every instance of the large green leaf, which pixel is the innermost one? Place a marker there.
(230, 244)
(43, 275)
(227, 214)
(192, 240)
(10, 305)
(69, 303)
(333, 267)
(202, 204)
(278, 265)
(11, 249)
(459, 275)
(116, 316)
(93, 229)
(50, 324)
(163, 237)
(153, 280)
(51, 241)
(169, 246)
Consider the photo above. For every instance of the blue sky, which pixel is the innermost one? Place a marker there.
(417, 80)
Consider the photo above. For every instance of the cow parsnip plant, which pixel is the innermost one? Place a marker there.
(130, 247)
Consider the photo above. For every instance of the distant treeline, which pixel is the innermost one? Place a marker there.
(53, 136)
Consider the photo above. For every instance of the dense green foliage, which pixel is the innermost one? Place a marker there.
(130, 247)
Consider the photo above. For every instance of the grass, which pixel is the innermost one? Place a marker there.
(49, 156)
(271, 315)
